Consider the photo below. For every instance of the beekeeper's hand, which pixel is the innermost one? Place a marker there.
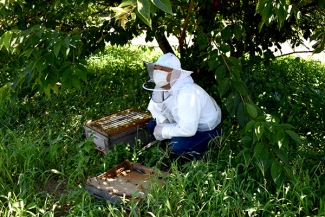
(158, 132)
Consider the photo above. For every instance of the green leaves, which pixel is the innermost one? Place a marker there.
(267, 11)
(56, 49)
(40, 65)
(252, 111)
(281, 13)
(271, 10)
(294, 136)
(261, 150)
(258, 130)
(224, 86)
(264, 8)
(233, 100)
(270, 142)
(143, 9)
(261, 132)
(319, 37)
(163, 5)
(231, 80)
(240, 87)
(277, 173)
(9, 40)
(230, 31)
(263, 158)
(220, 73)
(202, 41)
(5, 40)
(47, 66)
(226, 33)
(282, 155)
(238, 31)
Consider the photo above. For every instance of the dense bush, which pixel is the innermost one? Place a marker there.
(293, 89)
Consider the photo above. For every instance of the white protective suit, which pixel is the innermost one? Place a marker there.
(187, 107)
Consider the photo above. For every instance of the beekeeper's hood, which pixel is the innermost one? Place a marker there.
(179, 78)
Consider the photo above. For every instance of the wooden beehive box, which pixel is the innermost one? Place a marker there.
(124, 181)
(127, 126)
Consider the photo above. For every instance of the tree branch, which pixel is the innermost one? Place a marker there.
(163, 43)
(295, 52)
(183, 35)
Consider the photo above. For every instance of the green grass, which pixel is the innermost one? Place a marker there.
(45, 157)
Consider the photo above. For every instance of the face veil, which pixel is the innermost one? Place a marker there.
(178, 78)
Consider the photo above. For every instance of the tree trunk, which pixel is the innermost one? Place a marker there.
(163, 43)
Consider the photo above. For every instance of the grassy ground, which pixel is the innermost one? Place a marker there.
(45, 158)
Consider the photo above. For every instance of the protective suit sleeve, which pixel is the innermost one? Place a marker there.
(156, 112)
(189, 108)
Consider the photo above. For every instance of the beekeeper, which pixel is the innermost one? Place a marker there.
(182, 111)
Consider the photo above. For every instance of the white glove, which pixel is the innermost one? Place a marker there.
(158, 132)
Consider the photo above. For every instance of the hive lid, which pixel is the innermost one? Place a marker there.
(120, 121)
